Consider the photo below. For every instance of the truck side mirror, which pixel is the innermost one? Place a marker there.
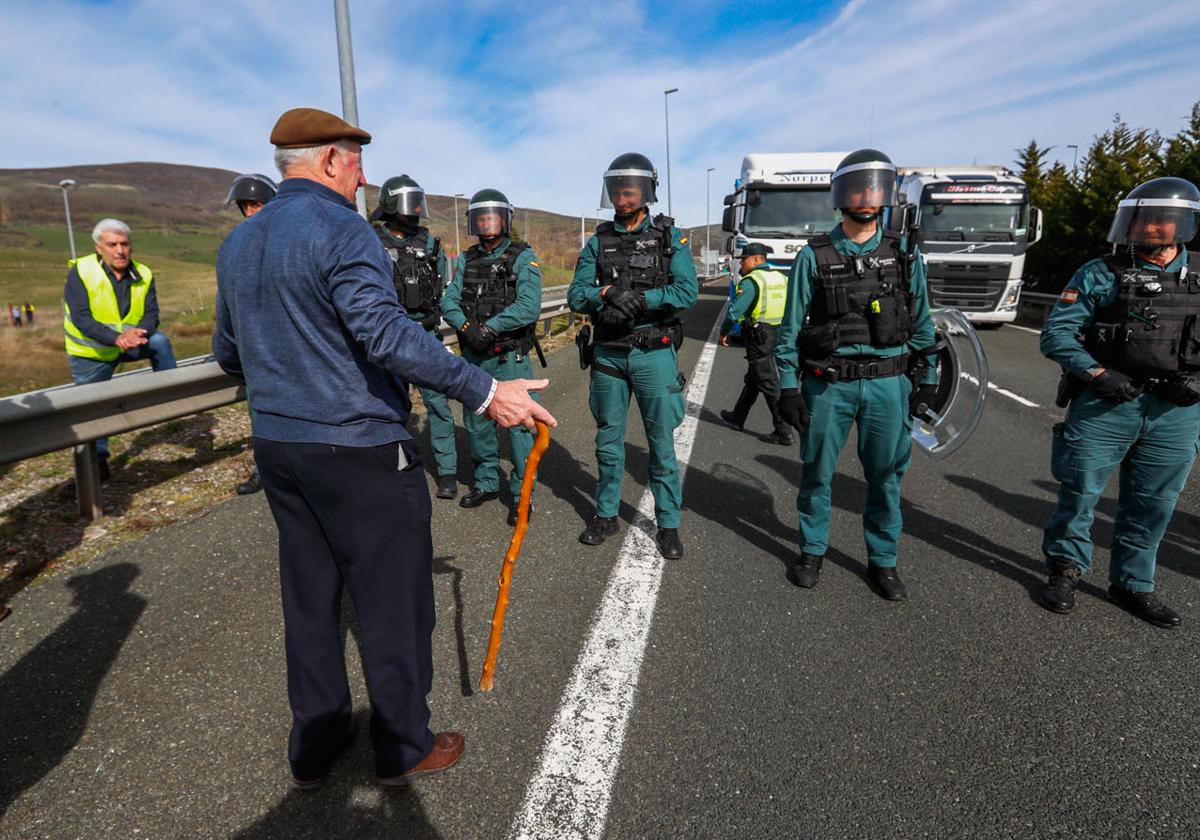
(727, 220)
(729, 199)
(1037, 225)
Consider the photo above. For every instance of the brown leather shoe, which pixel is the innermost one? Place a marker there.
(447, 749)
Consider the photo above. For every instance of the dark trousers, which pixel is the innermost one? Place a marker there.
(350, 516)
(762, 376)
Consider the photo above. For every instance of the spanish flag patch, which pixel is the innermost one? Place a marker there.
(1068, 296)
(533, 263)
(683, 240)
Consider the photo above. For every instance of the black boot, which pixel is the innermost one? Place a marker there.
(1145, 605)
(599, 529)
(477, 497)
(251, 485)
(807, 572)
(447, 487)
(669, 545)
(1058, 595)
(778, 438)
(512, 514)
(731, 419)
(887, 582)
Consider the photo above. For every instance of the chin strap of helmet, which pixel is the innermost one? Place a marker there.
(862, 218)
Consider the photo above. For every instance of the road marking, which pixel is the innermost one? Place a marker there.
(569, 794)
(1013, 396)
(1027, 329)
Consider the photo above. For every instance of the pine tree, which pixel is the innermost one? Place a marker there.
(1183, 150)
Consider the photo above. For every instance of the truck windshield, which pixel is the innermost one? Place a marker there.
(974, 222)
(788, 214)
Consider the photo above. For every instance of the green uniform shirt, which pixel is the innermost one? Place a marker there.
(1092, 287)
(801, 282)
(526, 309)
(679, 294)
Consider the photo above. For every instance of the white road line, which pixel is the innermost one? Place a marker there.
(569, 795)
(1027, 329)
(1013, 396)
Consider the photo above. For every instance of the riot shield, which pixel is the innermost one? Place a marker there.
(962, 371)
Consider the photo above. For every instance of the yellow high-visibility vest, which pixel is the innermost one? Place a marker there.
(772, 295)
(102, 301)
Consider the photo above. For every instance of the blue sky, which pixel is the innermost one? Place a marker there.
(536, 98)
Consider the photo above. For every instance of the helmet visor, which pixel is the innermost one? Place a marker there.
(628, 189)
(489, 218)
(404, 201)
(1151, 222)
(869, 184)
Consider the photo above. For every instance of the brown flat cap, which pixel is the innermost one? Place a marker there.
(301, 127)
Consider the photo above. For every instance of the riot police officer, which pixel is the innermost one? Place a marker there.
(419, 272)
(494, 302)
(251, 192)
(1126, 331)
(761, 299)
(633, 278)
(857, 317)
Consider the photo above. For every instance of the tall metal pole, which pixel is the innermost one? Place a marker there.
(457, 244)
(582, 242)
(67, 184)
(667, 120)
(341, 13)
(707, 205)
(1074, 157)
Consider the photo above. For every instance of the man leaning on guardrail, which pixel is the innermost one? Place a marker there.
(110, 314)
(307, 316)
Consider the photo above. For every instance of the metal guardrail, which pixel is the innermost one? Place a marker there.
(37, 422)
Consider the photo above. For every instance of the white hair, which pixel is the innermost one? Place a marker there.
(286, 159)
(114, 225)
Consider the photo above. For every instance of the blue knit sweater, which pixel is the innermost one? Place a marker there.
(307, 316)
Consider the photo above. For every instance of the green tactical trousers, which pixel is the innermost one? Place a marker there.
(441, 431)
(880, 409)
(653, 378)
(485, 442)
(1154, 442)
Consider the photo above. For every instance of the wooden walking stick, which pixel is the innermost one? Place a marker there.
(514, 548)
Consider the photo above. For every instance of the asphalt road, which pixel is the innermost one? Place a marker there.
(144, 695)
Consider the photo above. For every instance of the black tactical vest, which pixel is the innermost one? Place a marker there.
(1150, 329)
(636, 261)
(489, 286)
(415, 269)
(857, 300)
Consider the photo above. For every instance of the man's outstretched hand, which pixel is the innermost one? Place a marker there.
(512, 405)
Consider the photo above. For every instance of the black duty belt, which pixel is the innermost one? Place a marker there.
(852, 368)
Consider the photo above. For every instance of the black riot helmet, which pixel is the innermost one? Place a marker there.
(630, 170)
(400, 196)
(1157, 214)
(866, 178)
(251, 188)
(489, 202)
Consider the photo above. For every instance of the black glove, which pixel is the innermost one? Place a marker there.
(1115, 386)
(793, 409)
(613, 317)
(477, 337)
(431, 321)
(922, 395)
(625, 301)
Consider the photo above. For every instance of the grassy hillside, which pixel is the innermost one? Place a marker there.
(178, 222)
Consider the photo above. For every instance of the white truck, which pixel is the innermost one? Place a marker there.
(781, 200)
(975, 225)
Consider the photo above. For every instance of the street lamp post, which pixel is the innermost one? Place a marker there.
(1075, 156)
(341, 14)
(457, 244)
(667, 121)
(707, 205)
(67, 184)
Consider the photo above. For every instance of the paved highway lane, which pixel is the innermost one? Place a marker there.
(144, 695)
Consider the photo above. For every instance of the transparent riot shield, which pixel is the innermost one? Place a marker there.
(962, 371)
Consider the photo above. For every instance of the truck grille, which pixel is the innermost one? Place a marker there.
(970, 287)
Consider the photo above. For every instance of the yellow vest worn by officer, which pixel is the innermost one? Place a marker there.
(772, 296)
(102, 301)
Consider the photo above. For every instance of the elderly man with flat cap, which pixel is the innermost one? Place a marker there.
(308, 317)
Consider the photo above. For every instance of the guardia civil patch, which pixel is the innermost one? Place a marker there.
(1068, 296)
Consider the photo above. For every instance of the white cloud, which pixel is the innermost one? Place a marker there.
(926, 81)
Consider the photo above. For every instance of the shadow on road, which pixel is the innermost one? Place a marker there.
(331, 812)
(47, 696)
(441, 566)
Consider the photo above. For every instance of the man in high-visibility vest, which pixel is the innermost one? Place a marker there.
(761, 298)
(110, 314)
